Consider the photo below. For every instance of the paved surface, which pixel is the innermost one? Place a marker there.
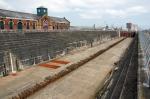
(84, 82)
(12, 84)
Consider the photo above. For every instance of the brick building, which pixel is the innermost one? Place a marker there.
(12, 20)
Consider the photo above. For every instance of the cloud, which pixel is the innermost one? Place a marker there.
(116, 13)
(5, 5)
(93, 14)
(137, 9)
(85, 9)
(96, 9)
(53, 5)
(131, 11)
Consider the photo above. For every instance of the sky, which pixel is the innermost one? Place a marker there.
(89, 12)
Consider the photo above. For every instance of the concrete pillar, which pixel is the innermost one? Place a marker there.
(34, 61)
(49, 57)
(6, 61)
(13, 68)
(20, 65)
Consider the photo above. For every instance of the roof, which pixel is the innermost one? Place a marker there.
(15, 14)
(59, 20)
(42, 7)
(22, 15)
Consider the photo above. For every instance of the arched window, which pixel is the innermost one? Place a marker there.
(2, 25)
(11, 24)
(19, 25)
(57, 27)
(34, 25)
(28, 25)
(45, 24)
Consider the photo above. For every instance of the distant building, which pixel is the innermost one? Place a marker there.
(12, 20)
(131, 27)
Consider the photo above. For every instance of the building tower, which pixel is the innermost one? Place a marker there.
(41, 11)
(129, 26)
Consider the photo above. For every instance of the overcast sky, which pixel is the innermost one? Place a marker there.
(89, 12)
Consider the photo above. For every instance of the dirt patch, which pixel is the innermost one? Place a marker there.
(49, 66)
(60, 61)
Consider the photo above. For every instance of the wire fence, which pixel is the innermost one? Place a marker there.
(144, 38)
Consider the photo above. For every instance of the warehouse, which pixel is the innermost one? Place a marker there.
(12, 20)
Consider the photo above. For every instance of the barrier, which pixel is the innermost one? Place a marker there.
(49, 30)
(27, 49)
(144, 39)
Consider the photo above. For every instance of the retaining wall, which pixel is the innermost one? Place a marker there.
(20, 50)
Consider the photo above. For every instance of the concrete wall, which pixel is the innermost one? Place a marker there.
(20, 50)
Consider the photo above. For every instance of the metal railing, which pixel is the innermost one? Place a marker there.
(144, 38)
(32, 30)
(49, 30)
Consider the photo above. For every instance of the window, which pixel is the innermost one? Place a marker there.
(34, 25)
(11, 24)
(39, 10)
(1, 25)
(28, 25)
(19, 25)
